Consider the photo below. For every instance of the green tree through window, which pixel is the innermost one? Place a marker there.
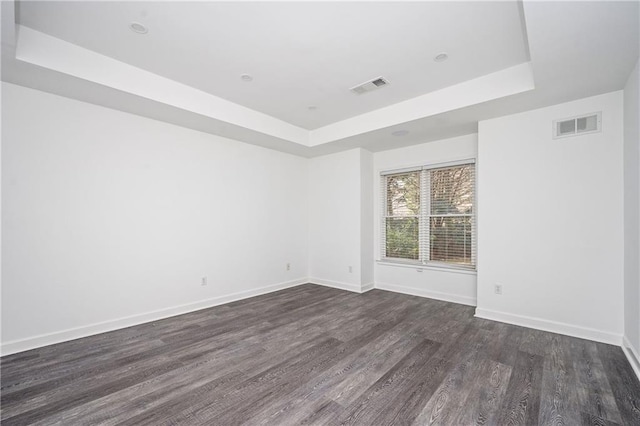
(451, 215)
(402, 216)
(429, 215)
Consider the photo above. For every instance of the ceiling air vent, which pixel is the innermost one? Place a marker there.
(590, 123)
(370, 85)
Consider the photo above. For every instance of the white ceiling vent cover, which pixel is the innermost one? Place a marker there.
(575, 126)
(370, 85)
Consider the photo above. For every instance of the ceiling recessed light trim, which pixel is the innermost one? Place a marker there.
(246, 78)
(400, 133)
(441, 57)
(138, 28)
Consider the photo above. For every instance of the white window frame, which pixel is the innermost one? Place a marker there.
(424, 219)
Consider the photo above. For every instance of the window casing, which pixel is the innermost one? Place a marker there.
(428, 215)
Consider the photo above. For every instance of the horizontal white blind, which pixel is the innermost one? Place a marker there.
(429, 215)
(451, 215)
(402, 216)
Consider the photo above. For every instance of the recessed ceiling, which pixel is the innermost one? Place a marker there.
(303, 57)
(299, 54)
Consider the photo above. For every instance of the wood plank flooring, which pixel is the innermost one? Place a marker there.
(316, 355)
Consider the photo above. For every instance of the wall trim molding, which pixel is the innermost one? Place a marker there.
(15, 346)
(356, 288)
(551, 326)
(412, 291)
(632, 355)
(367, 287)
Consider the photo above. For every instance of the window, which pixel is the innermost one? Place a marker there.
(429, 216)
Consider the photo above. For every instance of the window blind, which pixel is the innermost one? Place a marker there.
(429, 215)
(402, 216)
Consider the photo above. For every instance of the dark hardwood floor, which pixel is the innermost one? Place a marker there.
(315, 355)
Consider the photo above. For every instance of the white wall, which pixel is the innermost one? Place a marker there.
(550, 216)
(632, 215)
(108, 215)
(452, 286)
(366, 218)
(111, 219)
(336, 219)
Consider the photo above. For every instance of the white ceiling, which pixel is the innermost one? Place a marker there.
(505, 57)
(299, 54)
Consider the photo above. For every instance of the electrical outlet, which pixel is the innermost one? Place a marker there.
(203, 281)
(351, 269)
(288, 266)
(497, 289)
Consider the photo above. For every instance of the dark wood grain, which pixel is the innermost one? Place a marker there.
(316, 355)
(522, 403)
(594, 390)
(591, 420)
(370, 405)
(559, 399)
(326, 413)
(625, 388)
(449, 398)
(485, 395)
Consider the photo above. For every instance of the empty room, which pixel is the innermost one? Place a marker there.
(326, 213)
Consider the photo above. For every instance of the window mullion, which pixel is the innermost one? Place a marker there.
(445, 235)
(383, 221)
(425, 201)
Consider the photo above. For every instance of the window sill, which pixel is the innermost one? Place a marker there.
(420, 266)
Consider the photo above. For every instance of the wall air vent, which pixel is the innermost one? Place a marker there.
(370, 85)
(575, 126)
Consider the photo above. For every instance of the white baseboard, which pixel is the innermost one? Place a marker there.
(356, 288)
(15, 346)
(447, 297)
(551, 326)
(367, 287)
(632, 355)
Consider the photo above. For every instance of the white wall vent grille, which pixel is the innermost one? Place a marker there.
(370, 85)
(575, 126)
